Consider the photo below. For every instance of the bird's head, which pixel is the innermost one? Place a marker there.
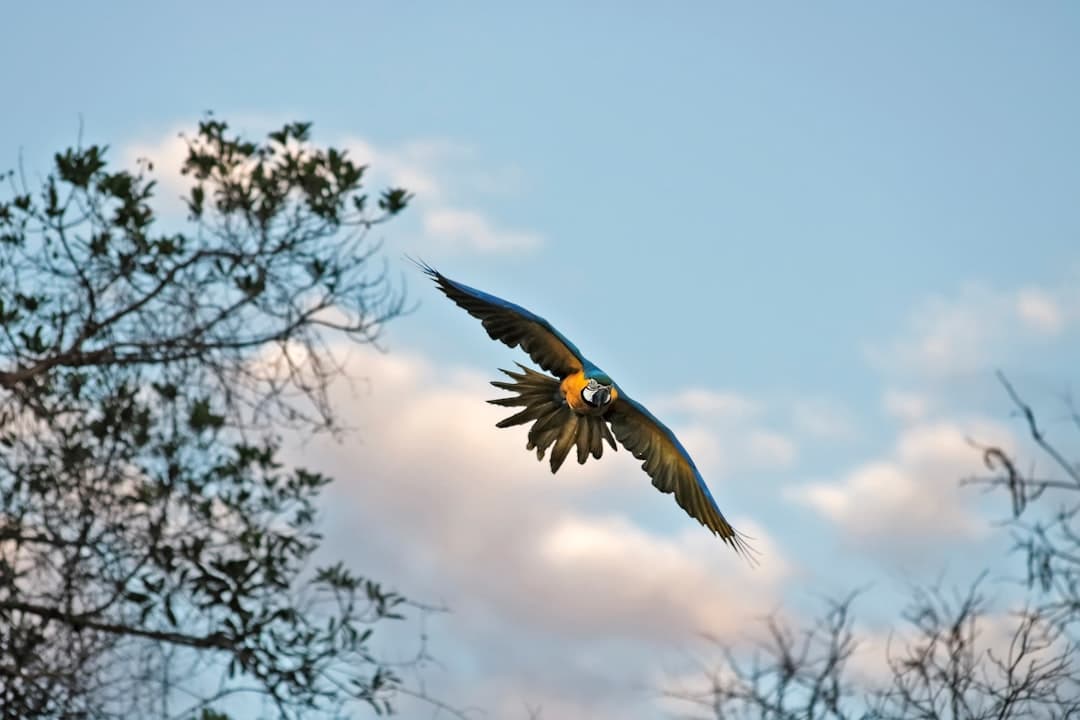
(598, 390)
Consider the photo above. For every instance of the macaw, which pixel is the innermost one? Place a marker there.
(576, 406)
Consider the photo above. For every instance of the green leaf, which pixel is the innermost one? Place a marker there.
(166, 390)
(201, 417)
(394, 200)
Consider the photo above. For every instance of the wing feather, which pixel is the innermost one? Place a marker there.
(584, 440)
(672, 470)
(514, 325)
(567, 436)
(596, 445)
(553, 421)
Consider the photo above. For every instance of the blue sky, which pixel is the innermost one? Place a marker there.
(805, 234)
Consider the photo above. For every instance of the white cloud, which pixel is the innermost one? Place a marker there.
(822, 419)
(729, 431)
(421, 167)
(906, 405)
(768, 449)
(437, 500)
(910, 500)
(976, 329)
(601, 554)
(725, 451)
(945, 334)
(166, 153)
(409, 167)
(470, 230)
(1039, 311)
(433, 160)
(724, 405)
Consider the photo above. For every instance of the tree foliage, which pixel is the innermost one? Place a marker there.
(151, 540)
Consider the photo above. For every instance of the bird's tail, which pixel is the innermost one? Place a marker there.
(552, 419)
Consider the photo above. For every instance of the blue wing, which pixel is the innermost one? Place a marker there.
(515, 326)
(671, 468)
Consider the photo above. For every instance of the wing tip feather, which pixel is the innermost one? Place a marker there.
(424, 267)
(741, 543)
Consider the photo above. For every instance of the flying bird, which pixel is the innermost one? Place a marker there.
(575, 407)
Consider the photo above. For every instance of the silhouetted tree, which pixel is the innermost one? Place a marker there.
(154, 551)
(943, 663)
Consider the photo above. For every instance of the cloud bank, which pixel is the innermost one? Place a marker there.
(559, 598)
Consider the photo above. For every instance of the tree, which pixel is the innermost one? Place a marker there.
(148, 530)
(944, 668)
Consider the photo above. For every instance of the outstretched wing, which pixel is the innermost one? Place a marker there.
(514, 325)
(670, 467)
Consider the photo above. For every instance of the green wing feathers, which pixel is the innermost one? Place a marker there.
(553, 422)
(513, 325)
(666, 461)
